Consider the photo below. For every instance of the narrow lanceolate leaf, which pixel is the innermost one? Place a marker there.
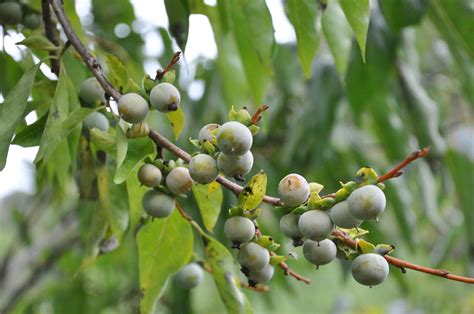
(303, 15)
(38, 42)
(138, 150)
(209, 199)
(176, 118)
(122, 145)
(223, 272)
(12, 110)
(338, 35)
(253, 192)
(31, 135)
(66, 127)
(358, 14)
(253, 33)
(164, 246)
(118, 73)
(178, 15)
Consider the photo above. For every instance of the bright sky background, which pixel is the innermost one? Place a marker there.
(19, 171)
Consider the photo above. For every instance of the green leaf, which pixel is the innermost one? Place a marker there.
(223, 272)
(358, 14)
(38, 42)
(31, 135)
(138, 150)
(462, 171)
(277, 259)
(96, 233)
(176, 118)
(64, 129)
(403, 13)
(159, 257)
(338, 35)
(118, 73)
(305, 18)
(209, 200)
(104, 141)
(253, 192)
(253, 33)
(368, 83)
(11, 111)
(178, 15)
(122, 145)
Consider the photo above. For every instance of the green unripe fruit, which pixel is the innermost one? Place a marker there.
(289, 226)
(91, 92)
(370, 269)
(165, 97)
(133, 108)
(97, 120)
(157, 204)
(179, 181)
(149, 175)
(293, 190)
(234, 138)
(253, 257)
(315, 225)
(10, 13)
(319, 253)
(207, 133)
(31, 20)
(342, 217)
(233, 166)
(367, 202)
(261, 276)
(189, 276)
(239, 229)
(203, 169)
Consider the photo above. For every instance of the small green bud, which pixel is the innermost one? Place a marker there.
(148, 83)
(208, 148)
(169, 77)
(315, 187)
(366, 175)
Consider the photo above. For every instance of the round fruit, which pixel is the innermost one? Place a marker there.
(239, 229)
(206, 133)
(370, 269)
(203, 169)
(289, 226)
(157, 204)
(253, 257)
(189, 276)
(342, 217)
(293, 190)
(97, 120)
(133, 108)
(367, 202)
(31, 20)
(263, 275)
(233, 166)
(10, 13)
(91, 92)
(179, 181)
(319, 253)
(315, 225)
(234, 138)
(149, 175)
(165, 97)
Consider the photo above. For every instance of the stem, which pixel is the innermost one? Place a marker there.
(94, 67)
(402, 264)
(50, 34)
(169, 66)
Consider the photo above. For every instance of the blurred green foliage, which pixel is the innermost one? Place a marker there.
(330, 113)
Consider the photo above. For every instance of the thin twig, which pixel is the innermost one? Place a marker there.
(402, 264)
(169, 66)
(92, 64)
(395, 172)
(51, 34)
(257, 115)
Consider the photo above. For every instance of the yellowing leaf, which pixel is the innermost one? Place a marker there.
(176, 118)
(253, 192)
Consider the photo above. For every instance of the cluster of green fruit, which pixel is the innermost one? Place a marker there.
(313, 218)
(13, 12)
